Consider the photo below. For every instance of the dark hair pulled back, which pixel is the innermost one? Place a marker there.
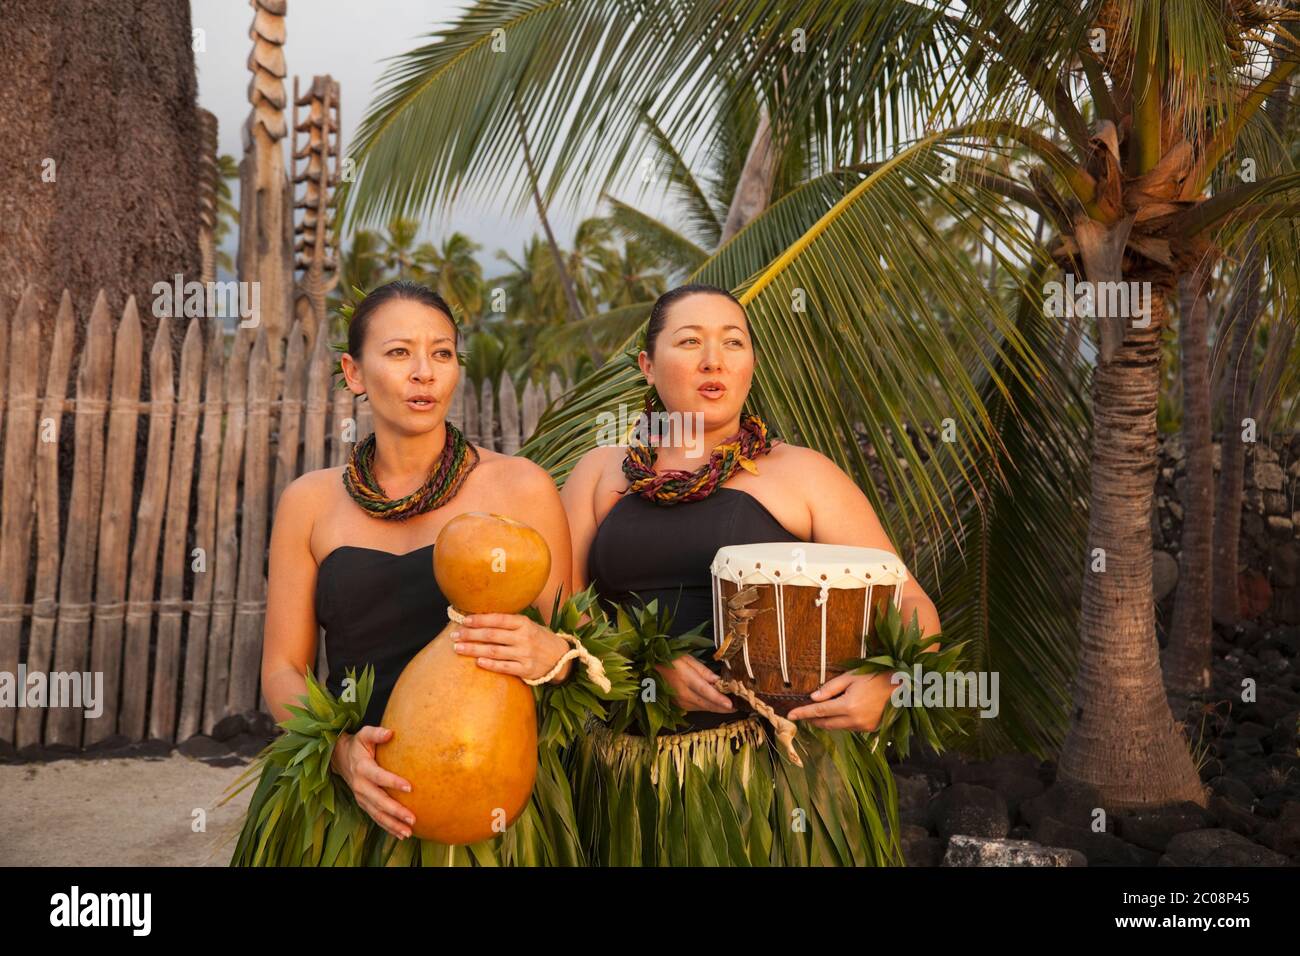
(400, 289)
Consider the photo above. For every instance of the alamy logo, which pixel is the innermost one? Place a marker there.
(1098, 300)
(684, 429)
(103, 909)
(208, 300)
(83, 690)
(951, 689)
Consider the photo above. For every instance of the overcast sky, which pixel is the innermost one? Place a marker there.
(349, 39)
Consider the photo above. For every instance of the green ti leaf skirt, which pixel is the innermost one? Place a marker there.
(727, 797)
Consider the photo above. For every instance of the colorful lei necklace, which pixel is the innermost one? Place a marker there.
(673, 487)
(456, 462)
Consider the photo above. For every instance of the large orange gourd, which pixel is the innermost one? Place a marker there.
(463, 736)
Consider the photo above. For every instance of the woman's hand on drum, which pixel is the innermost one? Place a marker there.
(354, 760)
(693, 684)
(511, 644)
(847, 702)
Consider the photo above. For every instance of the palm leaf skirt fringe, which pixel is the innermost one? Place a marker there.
(284, 827)
(727, 797)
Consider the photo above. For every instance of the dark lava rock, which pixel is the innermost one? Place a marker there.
(150, 748)
(1101, 849)
(1015, 776)
(1153, 829)
(969, 809)
(1072, 804)
(204, 748)
(1246, 746)
(230, 726)
(230, 760)
(1211, 768)
(1233, 790)
(919, 848)
(1218, 847)
(246, 745)
(1233, 816)
(112, 745)
(1283, 834)
(1272, 708)
(1243, 768)
(1270, 804)
(913, 800)
(261, 725)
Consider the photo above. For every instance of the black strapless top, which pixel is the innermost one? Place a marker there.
(377, 608)
(644, 551)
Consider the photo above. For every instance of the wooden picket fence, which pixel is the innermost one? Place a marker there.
(164, 591)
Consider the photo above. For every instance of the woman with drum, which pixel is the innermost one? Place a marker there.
(646, 525)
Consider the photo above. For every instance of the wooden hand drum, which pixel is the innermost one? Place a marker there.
(786, 614)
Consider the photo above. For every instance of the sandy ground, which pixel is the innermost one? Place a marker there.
(128, 811)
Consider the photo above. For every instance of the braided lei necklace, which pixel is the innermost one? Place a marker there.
(456, 462)
(674, 486)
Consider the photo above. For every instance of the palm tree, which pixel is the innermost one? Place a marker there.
(1208, 580)
(227, 213)
(840, 277)
(455, 271)
(627, 276)
(397, 251)
(610, 284)
(532, 287)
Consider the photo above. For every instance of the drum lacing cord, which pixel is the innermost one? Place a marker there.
(595, 669)
(780, 635)
(866, 608)
(822, 600)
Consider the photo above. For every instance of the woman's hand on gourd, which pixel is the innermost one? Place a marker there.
(354, 760)
(847, 702)
(511, 644)
(693, 684)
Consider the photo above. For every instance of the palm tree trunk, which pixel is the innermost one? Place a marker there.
(566, 280)
(754, 187)
(1187, 658)
(1122, 739)
(1240, 371)
(1283, 113)
(1265, 400)
(1243, 320)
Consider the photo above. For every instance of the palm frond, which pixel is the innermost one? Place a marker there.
(672, 167)
(609, 329)
(847, 345)
(664, 243)
(1013, 588)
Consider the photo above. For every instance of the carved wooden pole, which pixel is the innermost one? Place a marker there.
(265, 200)
(314, 255)
(209, 179)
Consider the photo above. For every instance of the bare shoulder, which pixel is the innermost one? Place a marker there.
(799, 458)
(816, 474)
(514, 472)
(312, 490)
(306, 497)
(595, 464)
(601, 459)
